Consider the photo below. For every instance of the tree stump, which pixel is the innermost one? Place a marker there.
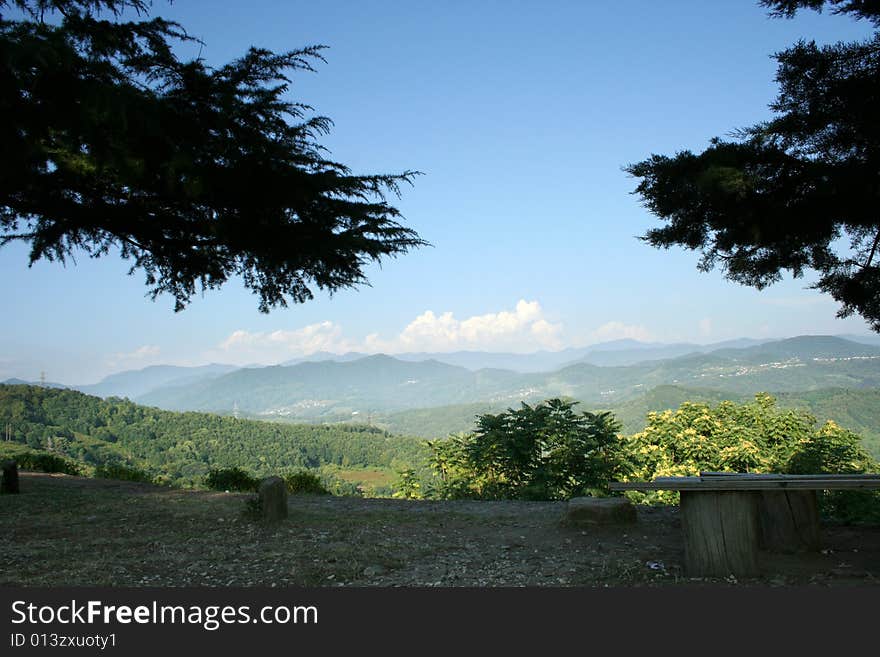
(789, 521)
(273, 499)
(721, 532)
(9, 477)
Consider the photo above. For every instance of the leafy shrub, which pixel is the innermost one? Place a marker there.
(535, 453)
(831, 449)
(835, 450)
(304, 481)
(753, 437)
(340, 487)
(41, 462)
(407, 486)
(122, 473)
(231, 479)
(162, 480)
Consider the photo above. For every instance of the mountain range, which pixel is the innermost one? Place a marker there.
(341, 388)
(335, 389)
(433, 394)
(614, 352)
(135, 383)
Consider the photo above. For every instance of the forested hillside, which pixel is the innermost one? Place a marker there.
(182, 447)
(858, 410)
(117, 438)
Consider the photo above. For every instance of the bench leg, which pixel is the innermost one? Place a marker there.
(790, 521)
(720, 533)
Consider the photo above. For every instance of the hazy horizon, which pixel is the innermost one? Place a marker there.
(306, 356)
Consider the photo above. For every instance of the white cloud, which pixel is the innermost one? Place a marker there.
(140, 357)
(523, 328)
(619, 331)
(545, 332)
(275, 346)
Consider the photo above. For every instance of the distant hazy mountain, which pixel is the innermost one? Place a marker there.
(630, 352)
(332, 390)
(47, 384)
(316, 388)
(134, 383)
(805, 347)
(614, 352)
(541, 361)
(320, 356)
(873, 339)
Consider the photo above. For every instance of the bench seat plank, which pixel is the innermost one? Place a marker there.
(788, 477)
(794, 482)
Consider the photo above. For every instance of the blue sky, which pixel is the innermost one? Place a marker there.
(521, 116)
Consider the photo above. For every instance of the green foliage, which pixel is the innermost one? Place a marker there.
(305, 482)
(543, 452)
(857, 410)
(195, 173)
(752, 437)
(407, 486)
(40, 461)
(830, 449)
(340, 487)
(123, 473)
(858, 8)
(231, 479)
(834, 449)
(438, 421)
(183, 447)
(812, 168)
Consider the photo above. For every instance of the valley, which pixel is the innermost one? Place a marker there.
(431, 398)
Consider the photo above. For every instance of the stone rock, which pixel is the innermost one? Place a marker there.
(273, 499)
(9, 477)
(599, 511)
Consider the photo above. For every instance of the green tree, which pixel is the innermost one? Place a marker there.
(779, 196)
(835, 449)
(407, 486)
(110, 141)
(697, 437)
(753, 437)
(543, 452)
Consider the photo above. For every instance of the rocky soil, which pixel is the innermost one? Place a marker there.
(64, 530)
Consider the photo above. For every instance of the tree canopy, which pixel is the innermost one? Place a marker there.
(797, 192)
(112, 142)
(547, 451)
(752, 437)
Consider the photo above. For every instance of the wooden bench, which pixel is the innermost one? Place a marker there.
(727, 517)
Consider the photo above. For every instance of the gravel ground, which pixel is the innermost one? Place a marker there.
(66, 530)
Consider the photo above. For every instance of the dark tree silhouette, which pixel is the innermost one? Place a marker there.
(779, 196)
(196, 174)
